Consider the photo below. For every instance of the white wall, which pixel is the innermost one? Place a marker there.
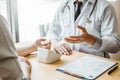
(32, 13)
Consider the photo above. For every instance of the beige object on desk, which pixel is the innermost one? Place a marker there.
(41, 71)
(47, 56)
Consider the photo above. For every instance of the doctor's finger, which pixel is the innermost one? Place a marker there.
(74, 37)
(63, 50)
(73, 40)
(82, 28)
(58, 50)
(68, 49)
(78, 37)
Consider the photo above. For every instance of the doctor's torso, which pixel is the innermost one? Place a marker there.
(66, 15)
(68, 23)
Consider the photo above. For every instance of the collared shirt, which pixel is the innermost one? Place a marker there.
(78, 7)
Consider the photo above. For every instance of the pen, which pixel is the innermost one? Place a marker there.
(113, 69)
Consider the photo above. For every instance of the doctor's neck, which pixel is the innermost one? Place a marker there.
(79, 0)
(84, 1)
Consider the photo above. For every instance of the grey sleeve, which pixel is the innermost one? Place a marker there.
(10, 70)
(110, 39)
(9, 64)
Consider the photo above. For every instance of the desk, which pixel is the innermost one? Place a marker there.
(41, 71)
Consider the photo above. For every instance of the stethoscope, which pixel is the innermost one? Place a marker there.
(89, 20)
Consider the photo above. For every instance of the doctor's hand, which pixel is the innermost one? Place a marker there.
(43, 43)
(84, 37)
(61, 48)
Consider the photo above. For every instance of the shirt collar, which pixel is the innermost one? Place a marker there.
(84, 1)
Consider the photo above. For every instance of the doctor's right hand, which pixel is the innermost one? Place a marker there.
(43, 43)
(61, 48)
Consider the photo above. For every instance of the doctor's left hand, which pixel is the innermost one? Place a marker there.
(84, 37)
(61, 48)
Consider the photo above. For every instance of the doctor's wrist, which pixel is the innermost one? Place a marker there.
(92, 40)
(97, 45)
(54, 41)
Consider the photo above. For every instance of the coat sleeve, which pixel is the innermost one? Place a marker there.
(55, 30)
(110, 39)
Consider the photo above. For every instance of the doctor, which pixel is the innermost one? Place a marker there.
(93, 31)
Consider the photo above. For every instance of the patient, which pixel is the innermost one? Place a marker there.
(27, 47)
(11, 67)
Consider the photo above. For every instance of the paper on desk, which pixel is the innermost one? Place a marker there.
(88, 67)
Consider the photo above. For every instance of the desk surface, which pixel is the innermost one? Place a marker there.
(41, 71)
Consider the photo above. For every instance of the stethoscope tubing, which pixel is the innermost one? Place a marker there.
(88, 19)
(93, 8)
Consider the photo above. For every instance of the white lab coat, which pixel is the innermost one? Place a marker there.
(104, 26)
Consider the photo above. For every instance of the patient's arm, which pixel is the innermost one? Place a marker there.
(25, 48)
(26, 67)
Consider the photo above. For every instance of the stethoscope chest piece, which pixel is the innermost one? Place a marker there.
(89, 20)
